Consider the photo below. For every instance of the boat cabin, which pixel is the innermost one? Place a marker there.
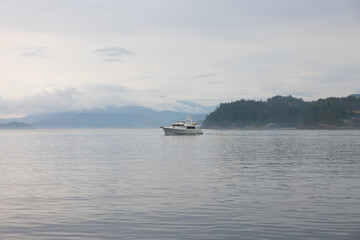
(178, 124)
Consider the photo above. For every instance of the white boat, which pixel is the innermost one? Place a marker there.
(187, 127)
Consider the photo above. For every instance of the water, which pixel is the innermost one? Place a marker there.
(140, 184)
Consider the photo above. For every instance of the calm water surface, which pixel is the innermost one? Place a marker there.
(140, 184)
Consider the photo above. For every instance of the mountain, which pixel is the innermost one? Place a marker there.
(355, 95)
(109, 117)
(15, 125)
(30, 118)
(281, 111)
(164, 117)
(94, 120)
(192, 107)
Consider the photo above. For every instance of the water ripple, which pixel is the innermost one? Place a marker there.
(139, 184)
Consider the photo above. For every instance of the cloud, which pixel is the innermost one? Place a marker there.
(113, 51)
(112, 54)
(95, 96)
(192, 107)
(40, 52)
(107, 88)
(70, 99)
(112, 60)
(45, 101)
(199, 76)
(203, 76)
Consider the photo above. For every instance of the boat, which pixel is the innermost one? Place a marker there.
(187, 127)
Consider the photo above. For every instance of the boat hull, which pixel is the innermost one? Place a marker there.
(179, 131)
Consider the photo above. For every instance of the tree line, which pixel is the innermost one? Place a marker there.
(284, 111)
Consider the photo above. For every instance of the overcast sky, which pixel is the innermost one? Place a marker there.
(64, 55)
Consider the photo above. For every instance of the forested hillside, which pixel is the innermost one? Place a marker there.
(281, 111)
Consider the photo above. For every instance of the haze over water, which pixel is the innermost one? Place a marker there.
(140, 184)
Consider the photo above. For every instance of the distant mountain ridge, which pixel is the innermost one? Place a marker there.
(278, 111)
(196, 108)
(15, 125)
(355, 95)
(109, 117)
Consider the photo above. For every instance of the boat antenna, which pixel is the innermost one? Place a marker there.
(189, 118)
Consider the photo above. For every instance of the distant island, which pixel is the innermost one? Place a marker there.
(287, 112)
(15, 125)
(275, 112)
(109, 117)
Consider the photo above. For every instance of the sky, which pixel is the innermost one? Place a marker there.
(66, 55)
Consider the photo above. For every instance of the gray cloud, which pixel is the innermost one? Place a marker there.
(94, 96)
(203, 76)
(112, 60)
(107, 88)
(112, 51)
(70, 99)
(44, 101)
(40, 52)
(112, 54)
(199, 76)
